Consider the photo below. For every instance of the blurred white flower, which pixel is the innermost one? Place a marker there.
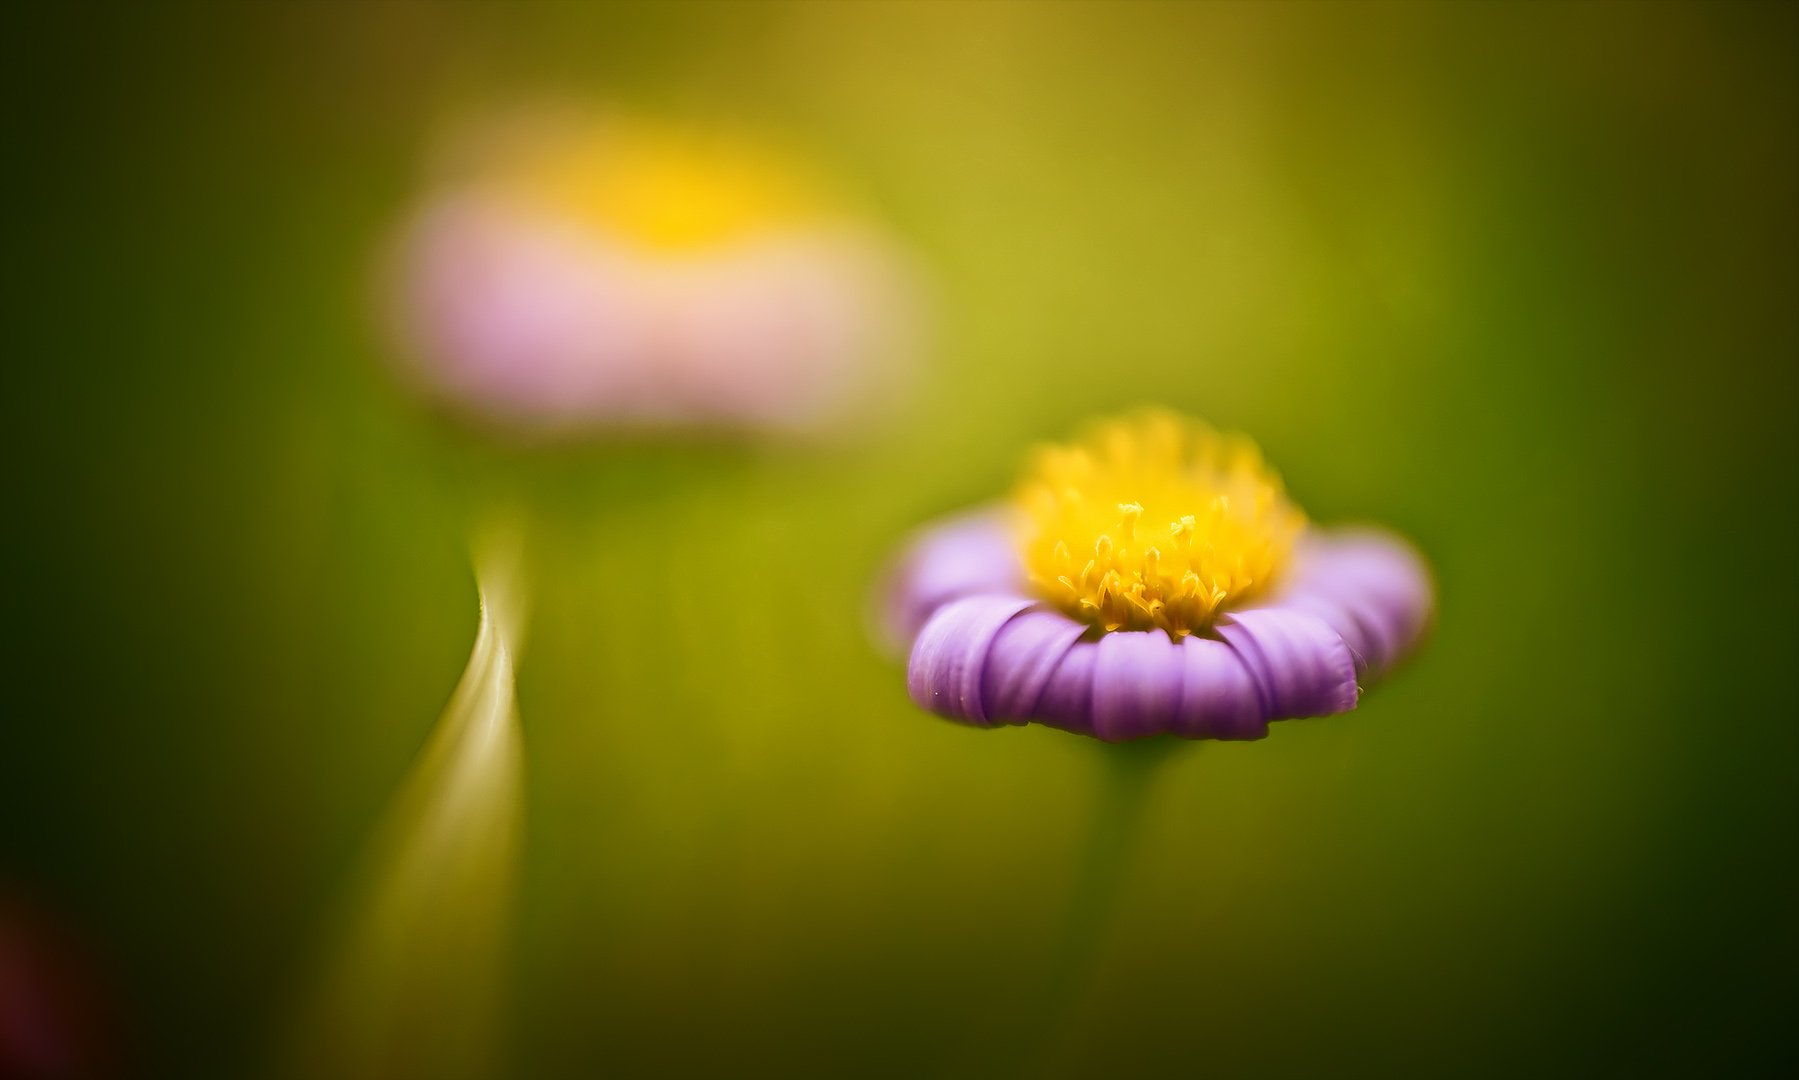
(575, 271)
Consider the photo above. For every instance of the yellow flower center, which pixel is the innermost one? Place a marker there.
(1154, 521)
(658, 188)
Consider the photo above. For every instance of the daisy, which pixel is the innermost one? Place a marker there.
(577, 271)
(1153, 578)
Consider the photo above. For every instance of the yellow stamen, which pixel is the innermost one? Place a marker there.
(659, 188)
(1230, 524)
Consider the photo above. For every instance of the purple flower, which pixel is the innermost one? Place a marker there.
(580, 272)
(995, 639)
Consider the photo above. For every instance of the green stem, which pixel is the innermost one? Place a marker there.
(1129, 773)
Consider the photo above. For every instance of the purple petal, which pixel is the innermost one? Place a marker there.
(1067, 699)
(1370, 587)
(1300, 665)
(950, 655)
(1023, 656)
(1368, 640)
(963, 556)
(986, 654)
(1136, 685)
(1219, 698)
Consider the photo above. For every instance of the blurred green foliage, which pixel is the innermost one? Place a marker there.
(1518, 281)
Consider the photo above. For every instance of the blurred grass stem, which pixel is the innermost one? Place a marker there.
(414, 980)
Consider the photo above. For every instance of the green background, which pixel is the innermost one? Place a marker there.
(1517, 281)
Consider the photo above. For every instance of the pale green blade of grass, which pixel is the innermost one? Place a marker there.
(414, 974)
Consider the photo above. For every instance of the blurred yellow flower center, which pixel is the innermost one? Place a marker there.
(1154, 521)
(663, 189)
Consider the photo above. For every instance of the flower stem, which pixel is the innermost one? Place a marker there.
(1129, 772)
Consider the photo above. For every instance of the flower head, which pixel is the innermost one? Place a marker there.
(575, 270)
(1201, 604)
(1153, 521)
